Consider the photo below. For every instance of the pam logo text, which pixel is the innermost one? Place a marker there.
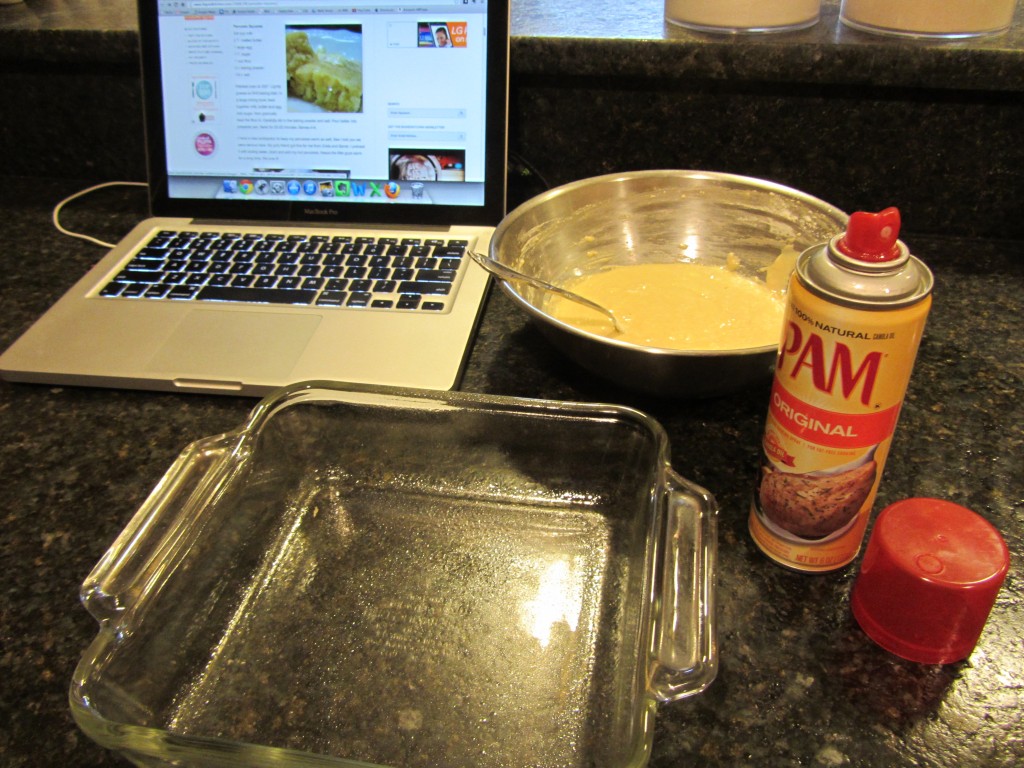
(831, 367)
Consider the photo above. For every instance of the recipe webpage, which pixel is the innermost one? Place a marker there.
(374, 101)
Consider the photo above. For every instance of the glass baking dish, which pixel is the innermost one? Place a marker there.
(365, 576)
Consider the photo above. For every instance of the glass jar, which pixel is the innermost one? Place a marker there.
(734, 16)
(929, 18)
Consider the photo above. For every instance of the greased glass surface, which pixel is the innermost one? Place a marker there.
(425, 585)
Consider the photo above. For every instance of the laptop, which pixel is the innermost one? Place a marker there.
(317, 172)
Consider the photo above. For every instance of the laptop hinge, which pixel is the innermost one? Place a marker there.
(350, 225)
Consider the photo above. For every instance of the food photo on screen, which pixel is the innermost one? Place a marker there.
(324, 68)
(427, 165)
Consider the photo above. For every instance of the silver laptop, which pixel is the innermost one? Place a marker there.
(317, 171)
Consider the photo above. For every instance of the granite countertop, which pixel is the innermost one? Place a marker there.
(799, 683)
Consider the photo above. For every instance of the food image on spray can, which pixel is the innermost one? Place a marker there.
(855, 314)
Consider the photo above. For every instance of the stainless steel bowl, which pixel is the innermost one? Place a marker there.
(651, 216)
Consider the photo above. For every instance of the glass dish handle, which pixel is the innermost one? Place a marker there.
(685, 648)
(139, 555)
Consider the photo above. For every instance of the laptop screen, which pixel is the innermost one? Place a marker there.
(367, 110)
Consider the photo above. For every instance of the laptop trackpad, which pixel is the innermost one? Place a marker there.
(234, 346)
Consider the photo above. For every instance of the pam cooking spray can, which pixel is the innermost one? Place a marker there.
(855, 314)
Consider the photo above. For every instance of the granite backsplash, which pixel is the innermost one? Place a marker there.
(600, 87)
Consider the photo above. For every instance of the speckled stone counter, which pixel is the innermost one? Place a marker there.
(597, 86)
(600, 86)
(799, 683)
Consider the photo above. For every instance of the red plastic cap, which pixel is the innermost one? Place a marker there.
(929, 579)
(872, 237)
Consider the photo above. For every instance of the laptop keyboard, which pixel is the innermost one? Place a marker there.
(312, 270)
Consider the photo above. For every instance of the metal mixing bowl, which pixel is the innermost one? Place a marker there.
(655, 216)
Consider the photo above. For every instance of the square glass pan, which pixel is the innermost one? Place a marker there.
(401, 578)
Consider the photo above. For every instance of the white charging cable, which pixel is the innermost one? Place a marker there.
(66, 200)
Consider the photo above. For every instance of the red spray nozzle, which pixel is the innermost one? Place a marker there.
(872, 237)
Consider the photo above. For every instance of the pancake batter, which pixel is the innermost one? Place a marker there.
(676, 306)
